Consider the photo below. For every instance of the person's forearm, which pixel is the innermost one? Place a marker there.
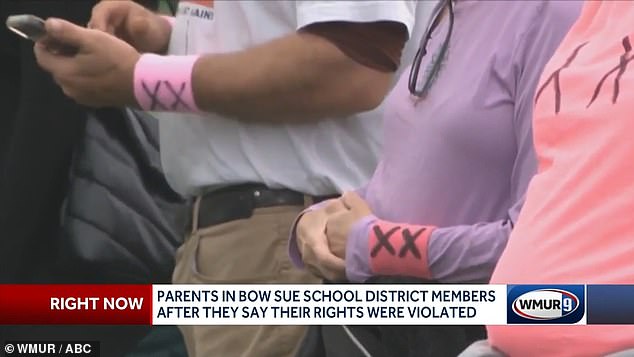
(466, 253)
(297, 78)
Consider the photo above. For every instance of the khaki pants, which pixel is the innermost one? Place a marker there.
(244, 251)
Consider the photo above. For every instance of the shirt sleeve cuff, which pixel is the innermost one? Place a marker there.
(310, 12)
(293, 249)
(357, 258)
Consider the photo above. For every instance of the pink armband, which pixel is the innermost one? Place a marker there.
(399, 249)
(164, 83)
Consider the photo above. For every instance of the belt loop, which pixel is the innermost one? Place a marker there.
(195, 211)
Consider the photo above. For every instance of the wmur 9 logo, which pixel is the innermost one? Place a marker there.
(545, 304)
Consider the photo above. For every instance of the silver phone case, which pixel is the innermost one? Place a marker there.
(27, 26)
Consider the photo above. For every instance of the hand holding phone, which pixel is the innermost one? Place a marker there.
(33, 28)
(101, 71)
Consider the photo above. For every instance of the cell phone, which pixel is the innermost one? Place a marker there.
(32, 28)
(28, 26)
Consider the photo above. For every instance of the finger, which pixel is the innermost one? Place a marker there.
(108, 28)
(97, 24)
(331, 266)
(308, 238)
(139, 26)
(301, 244)
(316, 271)
(51, 62)
(335, 220)
(106, 16)
(321, 249)
(352, 200)
(310, 260)
(337, 234)
(64, 32)
(318, 255)
(334, 206)
(69, 91)
(311, 221)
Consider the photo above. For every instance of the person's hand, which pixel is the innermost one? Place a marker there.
(313, 246)
(340, 223)
(101, 73)
(131, 22)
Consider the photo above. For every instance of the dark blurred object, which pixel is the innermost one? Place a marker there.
(40, 127)
(172, 5)
(389, 341)
(163, 341)
(423, 341)
(39, 131)
(122, 222)
(9, 91)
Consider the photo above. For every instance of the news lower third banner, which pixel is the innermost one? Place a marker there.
(347, 304)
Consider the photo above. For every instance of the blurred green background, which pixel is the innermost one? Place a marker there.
(163, 7)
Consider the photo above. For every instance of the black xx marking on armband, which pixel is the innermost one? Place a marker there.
(178, 95)
(153, 95)
(621, 67)
(410, 243)
(554, 77)
(156, 102)
(383, 241)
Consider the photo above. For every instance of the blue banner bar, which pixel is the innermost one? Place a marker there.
(610, 304)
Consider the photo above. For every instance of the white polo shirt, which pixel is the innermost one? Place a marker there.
(324, 157)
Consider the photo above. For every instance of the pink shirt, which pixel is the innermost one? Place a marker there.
(577, 224)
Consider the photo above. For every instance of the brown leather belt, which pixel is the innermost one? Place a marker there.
(239, 202)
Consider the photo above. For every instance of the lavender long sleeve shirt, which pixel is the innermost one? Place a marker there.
(456, 164)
